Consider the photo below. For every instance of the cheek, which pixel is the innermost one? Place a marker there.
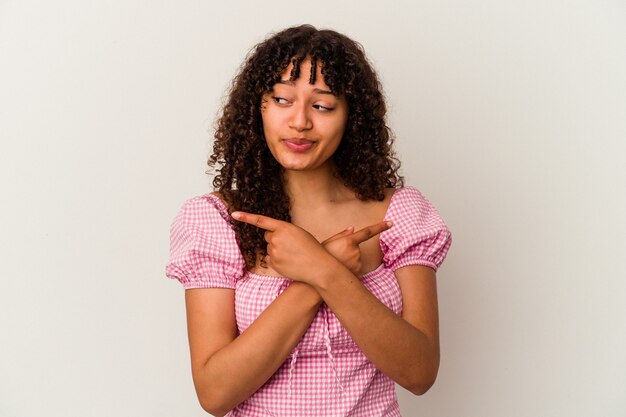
(272, 121)
(336, 128)
(339, 123)
(267, 125)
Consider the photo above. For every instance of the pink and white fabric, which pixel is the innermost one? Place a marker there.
(326, 374)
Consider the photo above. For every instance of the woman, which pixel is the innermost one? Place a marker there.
(280, 324)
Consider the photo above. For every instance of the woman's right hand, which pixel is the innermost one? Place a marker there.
(344, 246)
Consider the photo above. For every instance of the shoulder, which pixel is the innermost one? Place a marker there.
(418, 235)
(213, 200)
(203, 246)
(409, 201)
(203, 219)
(203, 208)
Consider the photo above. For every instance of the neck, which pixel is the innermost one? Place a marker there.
(314, 188)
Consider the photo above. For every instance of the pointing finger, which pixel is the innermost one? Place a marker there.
(370, 231)
(257, 220)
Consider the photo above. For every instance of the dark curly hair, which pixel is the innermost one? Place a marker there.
(249, 178)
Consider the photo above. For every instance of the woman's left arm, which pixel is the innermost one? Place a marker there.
(404, 348)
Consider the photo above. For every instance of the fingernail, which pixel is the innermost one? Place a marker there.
(389, 223)
(236, 215)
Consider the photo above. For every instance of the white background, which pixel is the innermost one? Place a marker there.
(509, 116)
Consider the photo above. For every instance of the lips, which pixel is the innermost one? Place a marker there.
(298, 144)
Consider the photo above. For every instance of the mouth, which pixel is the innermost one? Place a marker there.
(298, 144)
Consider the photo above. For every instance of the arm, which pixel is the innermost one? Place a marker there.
(411, 356)
(228, 368)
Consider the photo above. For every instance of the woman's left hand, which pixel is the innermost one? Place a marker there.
(291, 251)
(345, 245)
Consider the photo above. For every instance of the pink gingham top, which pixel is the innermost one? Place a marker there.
(326, 374)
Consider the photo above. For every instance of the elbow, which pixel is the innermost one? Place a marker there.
(423, 376)
(212, 406)
(422, 381)
(421, 388)
(213, 398)
(213, 402)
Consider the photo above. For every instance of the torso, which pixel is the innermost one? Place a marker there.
(326, 363)
(326, 350)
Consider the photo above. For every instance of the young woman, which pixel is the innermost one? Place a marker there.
(310, 272)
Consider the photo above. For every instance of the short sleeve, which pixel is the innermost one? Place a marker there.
(203, 247)
(418, 235)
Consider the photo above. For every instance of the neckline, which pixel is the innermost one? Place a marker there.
(367, 274)
(224, 207)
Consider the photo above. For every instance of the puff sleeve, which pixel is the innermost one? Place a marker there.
(203, 247)
(418, 236)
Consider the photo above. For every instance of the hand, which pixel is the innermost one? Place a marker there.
(344, 246)
(291, 251)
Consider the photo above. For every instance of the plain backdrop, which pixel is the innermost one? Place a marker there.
(510, 116)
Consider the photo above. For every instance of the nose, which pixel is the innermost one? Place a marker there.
(300, 119)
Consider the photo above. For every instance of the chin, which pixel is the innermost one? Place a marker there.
(296, 165)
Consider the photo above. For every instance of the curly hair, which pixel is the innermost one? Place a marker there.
(247, 175)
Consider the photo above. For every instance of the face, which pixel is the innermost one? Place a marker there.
(303, 123)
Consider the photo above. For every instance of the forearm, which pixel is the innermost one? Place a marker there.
(392, 344)
(237, 370)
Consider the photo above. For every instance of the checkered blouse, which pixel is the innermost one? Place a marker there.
(326, 374)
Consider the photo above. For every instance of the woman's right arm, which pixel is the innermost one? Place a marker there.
(226, 368)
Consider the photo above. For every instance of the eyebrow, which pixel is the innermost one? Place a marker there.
(315, 90)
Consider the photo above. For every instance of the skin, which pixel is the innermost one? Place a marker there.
(324, 256)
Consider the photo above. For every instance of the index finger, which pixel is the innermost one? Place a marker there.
(257, 220)
(369, 232)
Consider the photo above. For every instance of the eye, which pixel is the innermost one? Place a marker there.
(280, 100)
(322, 108)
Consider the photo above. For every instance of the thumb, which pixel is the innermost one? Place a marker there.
(347, 232)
